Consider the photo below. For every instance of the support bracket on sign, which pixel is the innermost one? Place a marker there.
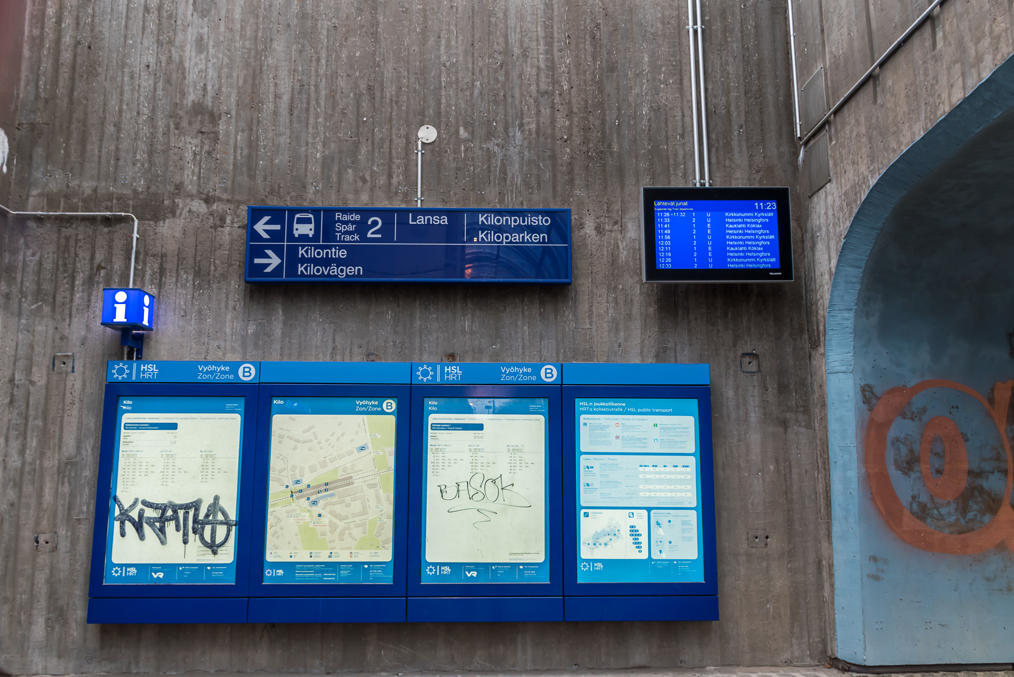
(133, 340)
(427, 134)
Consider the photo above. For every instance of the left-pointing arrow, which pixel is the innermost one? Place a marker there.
(263, 226)
(272, 261)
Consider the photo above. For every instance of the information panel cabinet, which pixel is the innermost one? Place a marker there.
(330, 493)
(639, 523)
(484, 535)
(294, 492)
(172, 510)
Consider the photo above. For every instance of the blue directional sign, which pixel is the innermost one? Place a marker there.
(377, 244)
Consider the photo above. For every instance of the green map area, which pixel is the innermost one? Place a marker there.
(331, 488)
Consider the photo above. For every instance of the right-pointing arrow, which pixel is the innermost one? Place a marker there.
(272, 261)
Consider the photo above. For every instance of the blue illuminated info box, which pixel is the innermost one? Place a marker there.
(128, 309)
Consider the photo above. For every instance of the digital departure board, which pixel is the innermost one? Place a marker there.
(716, 234)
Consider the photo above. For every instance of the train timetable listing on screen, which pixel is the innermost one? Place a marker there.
(713, 234)
(639, 488)
(485, 491)
(716, 234)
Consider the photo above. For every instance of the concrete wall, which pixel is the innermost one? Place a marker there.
(932, 72)
(913, 273)
(184, 113)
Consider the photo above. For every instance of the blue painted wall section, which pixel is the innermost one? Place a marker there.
(919, 387)
(220, 559)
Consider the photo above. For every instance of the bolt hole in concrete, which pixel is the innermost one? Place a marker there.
(45, 542)
(63, 362)
(749, 363)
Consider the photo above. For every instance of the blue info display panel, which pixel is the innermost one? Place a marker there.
(330, 494)
(175, 491)
(639, 509)
(173, 501)
(485, 490)
(484, 542)
(639, 512)
(376, 244)
(332, 491)
(392, 492)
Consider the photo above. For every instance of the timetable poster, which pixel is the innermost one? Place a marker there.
(485, 490)
(330, 507)
(175, 491)
(639, 485)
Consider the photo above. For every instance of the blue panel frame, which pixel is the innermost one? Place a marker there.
(167, 610)
(401, 483)
(248, 599)
(446, 599)
(626, 599)
(326, 610)
(97, 587)
(636, 373)
(335, 372)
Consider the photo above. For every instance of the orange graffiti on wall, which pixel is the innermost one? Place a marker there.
(951, 482)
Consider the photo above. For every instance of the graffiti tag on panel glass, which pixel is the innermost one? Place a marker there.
(947, 487)
(213, 530)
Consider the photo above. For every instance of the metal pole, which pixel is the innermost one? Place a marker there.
(869, 73)
(704, 106)
(418, 190)
(693, 91)
(795, 77)
(128, 215)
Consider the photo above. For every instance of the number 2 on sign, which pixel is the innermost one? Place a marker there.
(375, 222)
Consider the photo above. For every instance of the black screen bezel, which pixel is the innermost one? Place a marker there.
(650, 270)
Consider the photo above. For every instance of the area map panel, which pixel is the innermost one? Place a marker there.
(485, 490)
(174, 494)
(716, 234)
(330, 507)
(639, 487)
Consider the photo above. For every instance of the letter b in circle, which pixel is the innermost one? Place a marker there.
(548, 373)
(246, 371)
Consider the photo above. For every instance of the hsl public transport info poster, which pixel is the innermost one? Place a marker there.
(485, 490)
(175, 491)
(639, 511)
